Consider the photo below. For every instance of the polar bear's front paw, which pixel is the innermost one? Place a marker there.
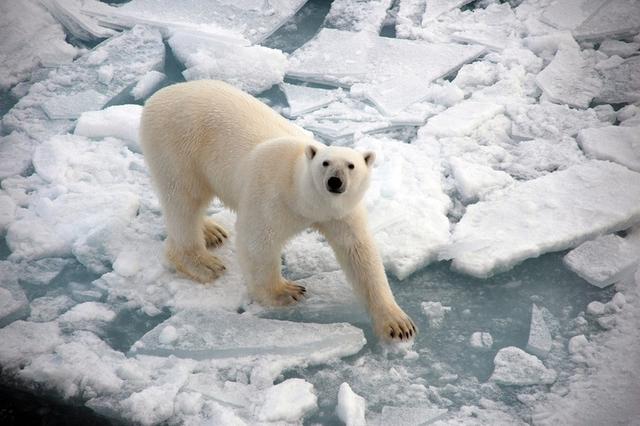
(395, 325)
(214, 234)
(200, 266)
(285, 293)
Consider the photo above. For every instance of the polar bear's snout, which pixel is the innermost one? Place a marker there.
(335, 185)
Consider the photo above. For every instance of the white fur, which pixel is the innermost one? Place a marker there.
(205, 138)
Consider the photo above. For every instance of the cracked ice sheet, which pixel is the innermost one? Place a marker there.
(621, 83)
(223, 19)
(250, 68)
(551, 213)
(129, 56)
(569, 14)
(613, 143)
(303, 99)
(407, 206)
(615, 18)
(343, 58)
(358, 15)
(31, 37)
(570, 79)
(81, 26)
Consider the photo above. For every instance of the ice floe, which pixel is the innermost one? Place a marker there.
(303, 99)
(147, 84)
(539, 342)
(288, 401)
(613, 18)
(614, 143)
(515, 367)
(119, 121)
(481, 341)
(461, 119)
(603, 261)
(475, 181)
(621, 83)
(554, 212)
(351, 406)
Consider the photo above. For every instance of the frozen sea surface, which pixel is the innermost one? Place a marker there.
(505, 140)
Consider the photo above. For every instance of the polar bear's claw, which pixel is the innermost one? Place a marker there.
(288, 293)
(214, 234)
(397, 326)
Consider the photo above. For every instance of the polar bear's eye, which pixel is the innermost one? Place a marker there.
(351, 166)
(325, 163)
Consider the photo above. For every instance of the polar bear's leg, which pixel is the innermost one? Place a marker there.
(214, 234)
(186, 249)
(358, 256)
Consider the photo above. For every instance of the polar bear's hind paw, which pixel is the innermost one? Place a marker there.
(288, 293)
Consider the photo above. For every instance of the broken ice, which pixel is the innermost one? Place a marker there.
(539, 342)
(515, 367)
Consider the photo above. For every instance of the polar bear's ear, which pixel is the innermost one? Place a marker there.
(310, 151)
(369, 158)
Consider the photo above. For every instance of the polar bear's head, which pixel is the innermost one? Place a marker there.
(339, 175)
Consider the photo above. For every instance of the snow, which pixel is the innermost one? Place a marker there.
(481, 341)
(343, 58)
(514, 367)
(245, 335)
(147, 84)
(251, 68)
(435, 312)
(613, 143)
(89, 316)
(118, 121)
(569, 79)
(351, 406)
(603, 261)
(303, 99)
(357, 15)
(48, 308)
(288, 401)
(23, 340)
(540, 340)
(461, 119)
(551, 213)
(31, 38)
(475, 181)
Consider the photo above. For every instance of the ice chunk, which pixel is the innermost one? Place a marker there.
(16, 150)
(89, 316)
(435, 312)
(461, 119)
(604, 260)
(569, 79)
(245, 335)
(48, 308)
(474, 181)
(147, 84)
(343, 58)
(358, 15)
(539, 342)
(618, 48)
(221, 19)
(303, 99)
(120, 121)
(614, 143)
(288, 401)
(614, 18)
(13, 302)
(7, 211)
(351, 406)
(81, 26)
(252, 69)
(550, 121)
(407, 205)
(569, 14)
(554, 212)
(23, 340)
(31, 38)
(43, 271)
(515, 367)
(50, 227)
(410, 416)
(435, 8)
(481, 341)
(595, 308)
(621, 83)
(131, 55)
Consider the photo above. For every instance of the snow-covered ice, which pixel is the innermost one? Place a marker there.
(288, 401)
(621, 83)
(569, 14)
(435, 8)
(435, 312)
(618, 48)
(603, 261)
(613, 143)
(539, 342)
(118, 121)
(554, 212)
(147, 84)
(13, 302)
(351, 406)
(515, 367)
(613, 18)
(358, 15)
(475, 181)
(461, 119)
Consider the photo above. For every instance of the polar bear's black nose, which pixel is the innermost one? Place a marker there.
(334, 184)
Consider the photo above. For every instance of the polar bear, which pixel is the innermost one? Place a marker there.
(203, 139)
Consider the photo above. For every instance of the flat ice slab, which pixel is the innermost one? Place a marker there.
(554, 212)
(614, 18)
(539, 342)
(461, 119)
(303, 99)
(603, 261)
(515, 367)
(569, 14)
(621, 83)
(126, 57)
(569, 79)
(343, 58)
(475, 181)
(357, 15)
(253, 20)
(614, 143)
(204, 335)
